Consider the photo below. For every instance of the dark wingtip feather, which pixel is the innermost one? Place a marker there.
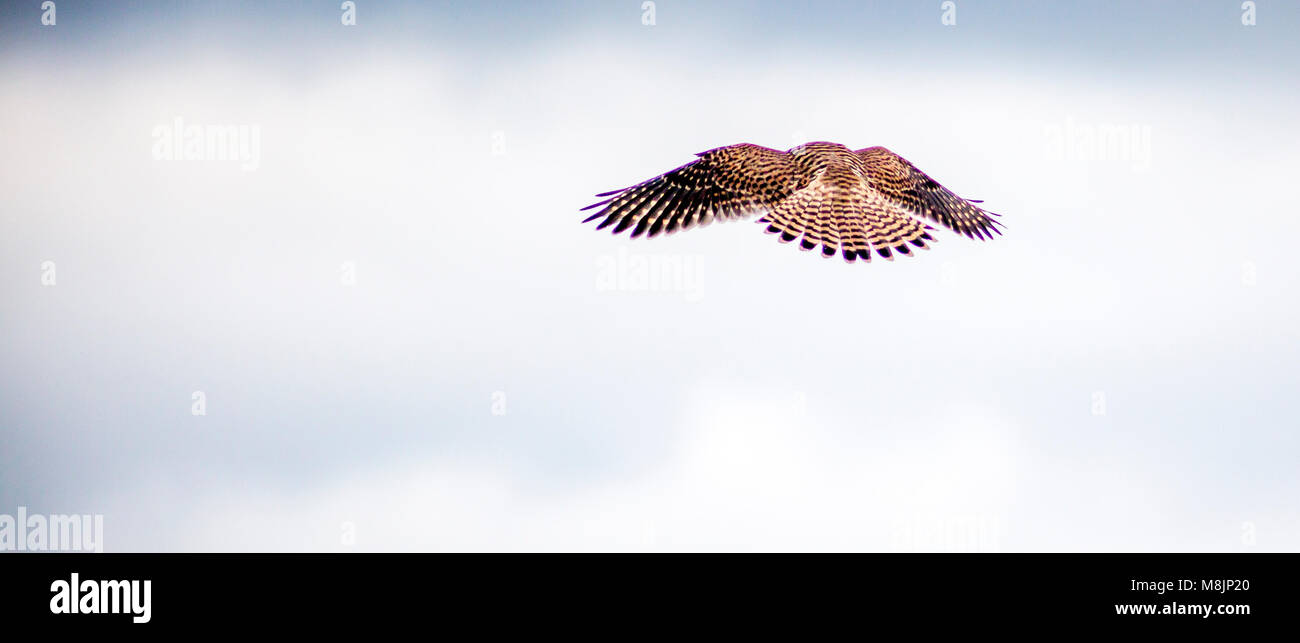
(606, 223)
(656, 227)
(642, 226)
(598, 203)
(624, 224)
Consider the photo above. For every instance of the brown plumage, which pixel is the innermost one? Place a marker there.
(822, 194)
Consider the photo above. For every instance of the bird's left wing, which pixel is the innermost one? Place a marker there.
(724, 183)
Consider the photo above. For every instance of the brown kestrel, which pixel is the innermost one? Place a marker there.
(822, 194)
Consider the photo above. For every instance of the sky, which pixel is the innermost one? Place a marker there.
(270, 282)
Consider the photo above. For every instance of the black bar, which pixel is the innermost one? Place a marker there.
(934, 589)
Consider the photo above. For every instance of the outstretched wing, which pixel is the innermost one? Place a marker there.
(725, 183)
(914, 192)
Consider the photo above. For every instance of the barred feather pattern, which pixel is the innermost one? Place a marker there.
(822, 195)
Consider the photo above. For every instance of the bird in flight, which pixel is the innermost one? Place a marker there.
(821, 194)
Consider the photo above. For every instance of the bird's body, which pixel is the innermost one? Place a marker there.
(821, 194)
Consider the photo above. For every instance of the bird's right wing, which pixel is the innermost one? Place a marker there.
(913, 191)
(724, 183)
